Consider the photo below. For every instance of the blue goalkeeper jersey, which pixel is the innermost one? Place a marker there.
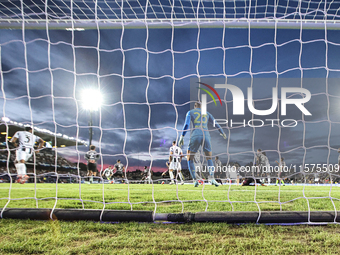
(200, 123)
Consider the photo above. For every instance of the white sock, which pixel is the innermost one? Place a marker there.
(171, 175)
(180, 176)
(21, 169)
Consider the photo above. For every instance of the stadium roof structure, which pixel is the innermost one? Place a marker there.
(9, 127)
(83, 14)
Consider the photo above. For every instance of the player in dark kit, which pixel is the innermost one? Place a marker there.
(119, 169)
(92, 157)
(247, 182)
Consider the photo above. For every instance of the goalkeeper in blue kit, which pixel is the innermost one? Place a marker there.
(199, 137)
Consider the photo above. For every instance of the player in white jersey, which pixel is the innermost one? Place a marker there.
(175, 159)
(108, 172)
(147, 175)
(24, 141)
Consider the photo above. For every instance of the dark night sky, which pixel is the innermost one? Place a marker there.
(152, 78)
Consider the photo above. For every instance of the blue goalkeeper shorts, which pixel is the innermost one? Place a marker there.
(197, 141)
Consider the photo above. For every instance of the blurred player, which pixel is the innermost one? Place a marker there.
(237, 168)
(263, 163)
(247, 182)
(260, 160)
(92, 157)
(166, 171)
(267, 167)
(218, 164)
(119, 169)
(199, 137)
(24, 142)
(282, 164)
(108, 172)
(175, 159)
(146, 175)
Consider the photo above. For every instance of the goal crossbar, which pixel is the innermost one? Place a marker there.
(69, 24)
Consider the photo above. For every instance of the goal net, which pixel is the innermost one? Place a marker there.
(265, 72)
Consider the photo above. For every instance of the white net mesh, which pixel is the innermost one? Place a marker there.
(52, 51)
(182, 9)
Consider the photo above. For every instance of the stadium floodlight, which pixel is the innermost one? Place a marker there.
(92, 100)
(5, 119)
(75, 29)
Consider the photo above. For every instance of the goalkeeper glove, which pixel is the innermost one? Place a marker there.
(181, 141)
(223, 135)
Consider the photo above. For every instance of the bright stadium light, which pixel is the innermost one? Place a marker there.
(92, 99)
(5, 119)
(75, 29)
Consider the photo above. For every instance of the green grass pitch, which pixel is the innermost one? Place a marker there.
(57, 237)
(171, 198)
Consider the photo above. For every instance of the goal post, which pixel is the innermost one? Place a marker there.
(266, 71)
